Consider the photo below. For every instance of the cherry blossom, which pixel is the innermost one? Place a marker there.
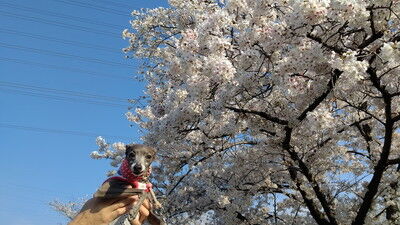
(271, 112)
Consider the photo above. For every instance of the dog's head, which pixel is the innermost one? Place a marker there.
(139, 158)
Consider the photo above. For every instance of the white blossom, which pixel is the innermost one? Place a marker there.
(271, 112)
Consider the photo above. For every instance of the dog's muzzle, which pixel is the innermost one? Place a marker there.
(137, 169)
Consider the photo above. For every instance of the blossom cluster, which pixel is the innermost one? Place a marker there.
(271, 111)
(265, 105)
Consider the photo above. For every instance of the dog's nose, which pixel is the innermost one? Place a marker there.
(138, 167)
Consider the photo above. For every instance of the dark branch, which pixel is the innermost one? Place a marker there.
(315, 213)
(380, 167)
(318, 100)
(396, 118)
(318, 192)
(393, 161)
(261, 114)
(321, 144)
(319, 40)
(371, 39)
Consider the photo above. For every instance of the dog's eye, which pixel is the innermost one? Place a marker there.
(148, 156)
(132, 155)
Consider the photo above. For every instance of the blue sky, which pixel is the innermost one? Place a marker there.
(53, 53)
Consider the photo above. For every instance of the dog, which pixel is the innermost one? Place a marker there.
(139, 158)
(134, 171)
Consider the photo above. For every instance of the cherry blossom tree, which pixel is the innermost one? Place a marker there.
(271, 111)
(281, 112)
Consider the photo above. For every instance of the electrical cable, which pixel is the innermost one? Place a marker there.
(69, 69)
(115, 4)
(58, 131)
(94, 7)
(31, 188)
(59, 15)
(65, 92)
(58, 40)
(60, 54)
(61, 98)
(58, 24)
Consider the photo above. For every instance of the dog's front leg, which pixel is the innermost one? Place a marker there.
(156, 203)
(134, 212)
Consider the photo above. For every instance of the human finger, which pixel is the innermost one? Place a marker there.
(120, 211)
(143, 213)
(124, 202)
(147, 204)
(115, 200)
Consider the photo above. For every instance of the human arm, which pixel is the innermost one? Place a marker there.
(102, 212)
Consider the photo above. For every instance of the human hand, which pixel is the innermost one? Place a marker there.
(101, 212)
(144, 212)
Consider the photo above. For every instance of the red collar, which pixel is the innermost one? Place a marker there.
(126, 172)
(127, 176)
(135, 184)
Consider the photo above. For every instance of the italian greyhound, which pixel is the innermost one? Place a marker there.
(134, 171)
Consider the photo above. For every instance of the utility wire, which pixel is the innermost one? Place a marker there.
(63, 92)
(69, 69)
(60, 54)
(113, 3)
(30, 188)
(58, 40)
(94, 7)
(61, 98)
(57, 131)
(59, 15)
(58, 24)
(25, 198)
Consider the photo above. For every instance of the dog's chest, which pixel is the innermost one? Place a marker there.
(142, 186)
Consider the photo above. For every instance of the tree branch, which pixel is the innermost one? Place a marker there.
(261, 114)
(318, 192)
(380, 167)
(319, 40)
(393, 161)
(317, 101)
(396, 118)
(315, 213)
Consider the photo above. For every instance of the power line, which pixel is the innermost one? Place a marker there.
(58, 40)
(58, 24)
(33, 207)
(57, 131)
(94, 7)
(60, 54)
(113, 3)
(69, 69)
(65, 92)
(59, 15)
(30, 188)
(27, 198)
(61, 98)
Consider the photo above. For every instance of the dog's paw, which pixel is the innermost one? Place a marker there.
(157, 205)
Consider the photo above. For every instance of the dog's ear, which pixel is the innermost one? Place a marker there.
(152, 150)
(128, 149)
